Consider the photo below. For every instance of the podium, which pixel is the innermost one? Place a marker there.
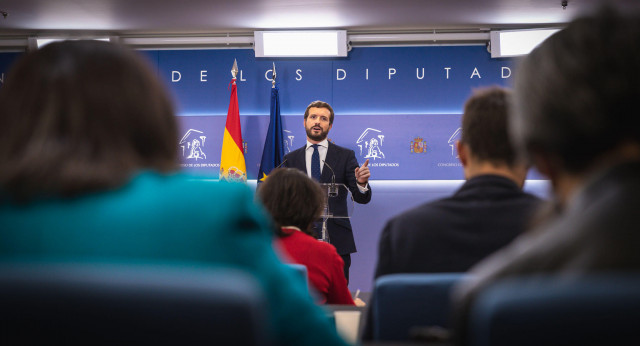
(338, 204)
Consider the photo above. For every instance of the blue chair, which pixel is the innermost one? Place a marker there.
(402, 302)
(594, 310)
(129, 304)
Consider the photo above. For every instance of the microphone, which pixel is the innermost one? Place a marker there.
(333, 189)
(281, 163)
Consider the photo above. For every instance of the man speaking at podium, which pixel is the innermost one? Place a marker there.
(323, 160)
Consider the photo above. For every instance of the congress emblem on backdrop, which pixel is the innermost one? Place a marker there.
(452, 141)
(288, 141)
(192, 145)
(370, 144)
(419, 146)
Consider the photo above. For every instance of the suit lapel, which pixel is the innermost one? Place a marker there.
(332, 160)
(300, 159)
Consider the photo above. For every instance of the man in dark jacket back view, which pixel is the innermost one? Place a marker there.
(485, 214)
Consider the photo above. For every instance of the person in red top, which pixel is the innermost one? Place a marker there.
(295, 201)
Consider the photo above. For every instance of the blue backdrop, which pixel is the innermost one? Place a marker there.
(398, 106)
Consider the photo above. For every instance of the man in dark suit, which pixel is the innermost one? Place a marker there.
(486, 213)
(312, 159)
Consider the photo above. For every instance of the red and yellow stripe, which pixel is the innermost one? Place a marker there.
(232, 164)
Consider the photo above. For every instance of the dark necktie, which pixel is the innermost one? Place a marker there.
(315, 163)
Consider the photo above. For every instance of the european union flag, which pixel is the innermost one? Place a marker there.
(273, 152)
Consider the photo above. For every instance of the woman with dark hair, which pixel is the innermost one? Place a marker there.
(88, 160)
(295, 201)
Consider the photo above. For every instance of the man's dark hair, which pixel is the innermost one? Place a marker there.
(577, 94)
(292, 199)
(82, 116)
(320, 104)
(485, 127)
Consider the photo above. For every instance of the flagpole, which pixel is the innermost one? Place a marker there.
(273, 152)
(234, 71)
(273, 80)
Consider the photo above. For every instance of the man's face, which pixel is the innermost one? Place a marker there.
(317, 124)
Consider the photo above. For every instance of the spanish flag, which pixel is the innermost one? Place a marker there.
(232, 165)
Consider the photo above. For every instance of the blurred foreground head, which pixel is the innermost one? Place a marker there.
(577, 95)
(82, 116)
(292, 199)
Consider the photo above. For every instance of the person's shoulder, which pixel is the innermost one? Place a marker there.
(303, 239)
(293, 157)
(426, 208)
(526, 201)
(181, 186)
(294, 152)
(418, 215)
(342, 152)
(326, 249)
(178, 202)
(339, 148)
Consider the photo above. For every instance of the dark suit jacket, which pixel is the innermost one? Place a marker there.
(454, 233)
(597, 232)
(343, 161)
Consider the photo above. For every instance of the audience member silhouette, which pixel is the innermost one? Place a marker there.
(88, 172)
(575, 118)
(295, 201)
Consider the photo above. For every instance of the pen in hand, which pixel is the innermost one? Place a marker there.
(357, 300)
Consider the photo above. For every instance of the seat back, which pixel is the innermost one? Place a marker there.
(129, 304)
(402, 302)
(595, 310)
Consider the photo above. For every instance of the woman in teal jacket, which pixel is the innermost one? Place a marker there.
(88, 172)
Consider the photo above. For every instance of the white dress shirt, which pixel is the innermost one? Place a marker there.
(322, 151)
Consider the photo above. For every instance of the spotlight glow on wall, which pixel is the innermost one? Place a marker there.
(312, 43)
(41, 42)
(517, 42)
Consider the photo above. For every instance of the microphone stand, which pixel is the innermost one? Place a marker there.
(281, 163)
(332, 191)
